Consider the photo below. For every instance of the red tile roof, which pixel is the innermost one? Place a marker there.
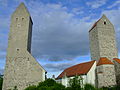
(104, 60)
(116, 59)
(78, 69)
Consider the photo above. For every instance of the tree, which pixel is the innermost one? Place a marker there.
(89, 87)
(1, 82)
(33, 87)
(76, 83)
(48, 84)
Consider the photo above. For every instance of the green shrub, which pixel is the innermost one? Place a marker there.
(33, 87)
(1, 82)
(89, 87)
(76, 83)
(48, 84)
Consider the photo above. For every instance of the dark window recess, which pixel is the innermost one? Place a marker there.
(22, 19)
(16, 19)
(17, 49)
(104, 23)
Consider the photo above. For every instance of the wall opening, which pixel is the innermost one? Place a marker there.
(22, 19)
(16, 19)
(104, 22)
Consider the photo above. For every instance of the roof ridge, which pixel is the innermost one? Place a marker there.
(81, 63)
(79, 69)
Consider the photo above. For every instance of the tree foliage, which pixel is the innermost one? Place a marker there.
(1, 82)
(48, 84)
(89, 87)
(76, 83)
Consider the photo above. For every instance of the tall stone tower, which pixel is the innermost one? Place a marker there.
(21, 68)
(103, 50)
(102, 40)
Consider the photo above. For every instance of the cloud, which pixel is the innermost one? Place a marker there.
(114, 16)
(77, 11)
(1, 71)
(3, 34)
(96, 3)
(57, 67)
(57, 35)
(116, 3)
(3, 3)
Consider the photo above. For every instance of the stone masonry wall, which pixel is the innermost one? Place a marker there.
(105, 76)
(94, 44)
(21, 68)
(102, 40)
(22, 71)
(117, 72)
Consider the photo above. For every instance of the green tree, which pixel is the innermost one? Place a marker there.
(1, 82)
(33, 87)
(15, 88)
(89, 87)
(76, 83)
(48, 84)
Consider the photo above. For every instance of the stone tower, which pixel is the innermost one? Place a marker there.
(105, 73)
(102, 40)
(21, 68)
(103, 49)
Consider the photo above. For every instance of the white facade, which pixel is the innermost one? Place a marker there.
(90, 78)
(87, 78)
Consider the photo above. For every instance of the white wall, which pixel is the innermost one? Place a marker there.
(65, 80)
(89, 78)
(91, 75)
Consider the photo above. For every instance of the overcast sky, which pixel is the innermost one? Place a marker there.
(60, 29)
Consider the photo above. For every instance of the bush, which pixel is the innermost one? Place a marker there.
(31, 88)
(89, 87)
(76, 83)
(1, 82)
(48, 84)
(110, 88)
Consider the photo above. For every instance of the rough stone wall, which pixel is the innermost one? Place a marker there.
(105, 76)
(94, 44)
(21, 68)
(22, 71)
(102, 40)
(117, 72)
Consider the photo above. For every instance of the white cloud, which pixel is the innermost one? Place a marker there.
(57, 33)
(117, 3)
(77, 11)
(96, 3)
(3, 3)
(114, 16)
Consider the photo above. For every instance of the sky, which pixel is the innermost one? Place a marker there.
(60, 29)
